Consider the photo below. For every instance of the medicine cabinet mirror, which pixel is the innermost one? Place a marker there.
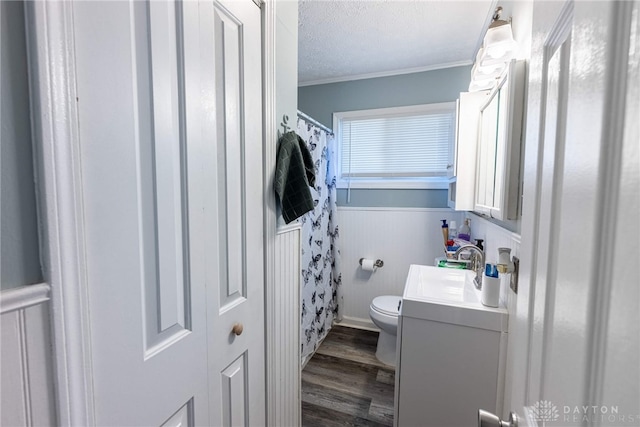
(499, 143)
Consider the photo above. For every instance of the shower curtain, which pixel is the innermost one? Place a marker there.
(320, 294)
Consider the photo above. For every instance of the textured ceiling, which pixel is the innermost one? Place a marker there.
(343, 40)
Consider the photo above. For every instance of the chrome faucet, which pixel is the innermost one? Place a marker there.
(477, 262)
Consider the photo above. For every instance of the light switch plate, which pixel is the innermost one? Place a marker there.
(514, 275)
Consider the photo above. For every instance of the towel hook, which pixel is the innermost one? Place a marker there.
(284, 124)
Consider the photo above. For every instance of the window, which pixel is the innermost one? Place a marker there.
(403, 147)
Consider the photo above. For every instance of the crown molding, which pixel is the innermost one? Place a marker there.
(385, 73)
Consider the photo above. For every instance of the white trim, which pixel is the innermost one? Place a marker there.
(609, 193)
(429, 183)
(393, 209)
(358, 323)
(272, 328)
(391, 73)
(448, 106)
(23, 297)
(57, 152)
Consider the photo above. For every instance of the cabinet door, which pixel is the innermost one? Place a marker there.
(487, 145)
(464, 372)
(498, 160)
(463, 186)
(453, 147)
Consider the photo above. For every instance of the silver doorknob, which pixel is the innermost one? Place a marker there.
(487, 419)
(237, 328)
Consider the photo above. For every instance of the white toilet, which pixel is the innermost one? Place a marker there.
(384, 311)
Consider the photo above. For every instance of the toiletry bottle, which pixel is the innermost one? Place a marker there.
(465, 231)
(445, 231)
(479, 244)
(453, 230)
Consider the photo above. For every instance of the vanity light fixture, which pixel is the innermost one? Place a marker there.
(498, 48)
(499, 45)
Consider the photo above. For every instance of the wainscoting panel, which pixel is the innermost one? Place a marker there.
(25, 360)
(399, 237)
(284, 391)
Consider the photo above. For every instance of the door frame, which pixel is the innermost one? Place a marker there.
(270, 132)
(57, 156)
(60, 205)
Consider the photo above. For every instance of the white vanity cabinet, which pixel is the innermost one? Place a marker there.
(451, 351)
(461, 168)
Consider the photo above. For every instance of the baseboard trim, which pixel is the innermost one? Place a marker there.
(358, 323)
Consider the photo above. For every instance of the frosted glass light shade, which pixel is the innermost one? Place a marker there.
(498, 48)
(499, 45)
(480, 72)
(478, 85)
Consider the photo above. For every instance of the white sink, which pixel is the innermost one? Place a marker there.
(447, 295)
(452, 285)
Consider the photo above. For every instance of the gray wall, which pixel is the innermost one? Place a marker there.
(403, 198)
(20, 257)
(286, 61)
(321, 101)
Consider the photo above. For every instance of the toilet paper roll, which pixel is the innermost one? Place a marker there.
(368, 264)
(490, 294)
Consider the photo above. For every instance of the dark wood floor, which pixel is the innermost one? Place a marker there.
(345, 385)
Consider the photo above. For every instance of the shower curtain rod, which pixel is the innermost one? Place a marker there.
(314, 122)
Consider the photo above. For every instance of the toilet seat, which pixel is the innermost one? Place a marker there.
(386, 304)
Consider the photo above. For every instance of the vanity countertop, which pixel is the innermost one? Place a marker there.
(449, 296)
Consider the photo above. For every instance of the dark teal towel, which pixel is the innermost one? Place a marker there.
(294, 175)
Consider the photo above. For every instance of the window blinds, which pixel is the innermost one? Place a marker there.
(396, 146)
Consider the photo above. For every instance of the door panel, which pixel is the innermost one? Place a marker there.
(167, 99)
(230, 57)
(161, 175)
(234, 393)
(182, 418)
(230, 106)
(555, 70)
(148, 322)
(581, 54)
(170, 106)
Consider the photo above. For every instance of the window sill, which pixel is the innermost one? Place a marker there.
(439, 183)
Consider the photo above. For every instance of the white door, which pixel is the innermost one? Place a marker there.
(577, 341)
(170, 125)
(233, 198)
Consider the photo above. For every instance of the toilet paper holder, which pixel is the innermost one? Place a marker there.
(378, 263)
